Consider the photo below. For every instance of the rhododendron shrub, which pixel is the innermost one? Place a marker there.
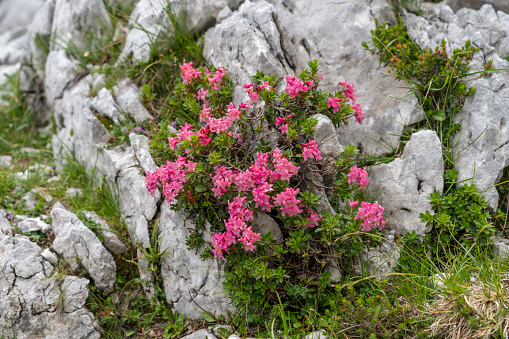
(228, 163)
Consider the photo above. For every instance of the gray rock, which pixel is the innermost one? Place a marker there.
(40, 31)
(141, 147)
(111, 241)
(128, 98)
(482, 145)
(146, 275)
(252, 39)
(17, 13)
(33, 225)
(326, 137)
(30, 199)
(316, 335)
(137, 227)
(74, 240)
(106, 106)
(501, 248)
(58, 204)
(50, 256)
(5, 225)
(185, 274)
(404, 184)
(200, 334)
(381, 260)
(7, 71)
(5, 161)
(73, 192)
(500, 5)
(313, 26)
(34, 304)
(264, 224)
(15, 46)
(73, 20)
(60, 70)
(224, 14)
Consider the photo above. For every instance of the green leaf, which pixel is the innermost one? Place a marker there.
(208, 318)
(439, 115)
(200, 188)
(130, 333)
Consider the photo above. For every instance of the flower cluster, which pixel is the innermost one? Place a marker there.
(349, 92)
(188, 72)
(358, 175)
(295, 86)
(311, 150)
(370, 215)
(138, 130)
(171, 177)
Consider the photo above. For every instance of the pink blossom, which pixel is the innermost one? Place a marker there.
(261, 159)
(349, 91)
(371, 216)
(294, 86)
(202, 94)
(185, 132)
(280, 120)
(244, 181)
(261, 198)
(359, 175)
(288, 202)
(188, 72)
(335, 103)
(352, 204)
(222, 180)
(283, 128)
(249, 238)
(237, 209)
(283, 170)
(220, 125)
(235, 225)
(253, 95)
(206, 114)
(244, 106)
(311, 150)
(173, 142)
(359, 116)
(233, 113)
(313, 220)
(215, 81)
(264, 85)
(259, 174)
(320, 78)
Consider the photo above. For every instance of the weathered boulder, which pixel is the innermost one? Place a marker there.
(482, 145)
(500, 5)
(263, 224)
(313, 27)
(39, 34)
(188, 280)
(74, 240)
(18, 13)
(141, 147)
(60, 70)
(33, 225)
(111, 241)
(106, 106)
(33, 305)
(251, 39)
(5, 161)
(404, 184)
(15, 46)
(128, 98)
(381, 260)
(5, 225)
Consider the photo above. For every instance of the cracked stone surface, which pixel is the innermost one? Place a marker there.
(111, 241)
(60, 70)
(185, 275)
(74, 240)
(106, 106)
(128, 98)
(252, 38)
(141, 147)
(31, 304)
(5, 225)
(313, 27)
(483, 144)
(500, 5)
(404, 184)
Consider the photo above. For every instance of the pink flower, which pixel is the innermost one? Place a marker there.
(349, 91)
(249, 238)
(244, 106)
(222, 180)
(352, 204)
(261, 198)
(173, 142)
(283, 170)
(335, 103)
(244, 181)
(233, 113)
(288, 202)
(358, 175)
(261, 159)
(283, 128)
(188, 72)
(253, 95)
(280, 120)
(371, 216)
(320, 78)
(313, 220)
(237, 209)
(311, 150)
(206, 114)
(264, 85)
(359, 116)
(220, 125)
(215, 81)
(202, 94)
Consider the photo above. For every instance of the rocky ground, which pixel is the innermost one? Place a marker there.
(77, 219)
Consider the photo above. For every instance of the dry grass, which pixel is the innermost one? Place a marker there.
(479, 312)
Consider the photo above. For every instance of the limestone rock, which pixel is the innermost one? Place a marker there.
(501, 247)
(18, 13)
(185, 274)
(50, 256)
(60, 70)
(106, 106)
(404, 184)
(111, 241)
(5, 161)
(5, 225)
(313, 27)
(326, 137)
(141, 147)
(264, 223)
(380, 260)
(73, 192)
(128, 98)
(33, 225)
(40, 31)
(74, 240)
(15, 46)
(200, 334)
(500, 5)
(33, 305)
(253, 38)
